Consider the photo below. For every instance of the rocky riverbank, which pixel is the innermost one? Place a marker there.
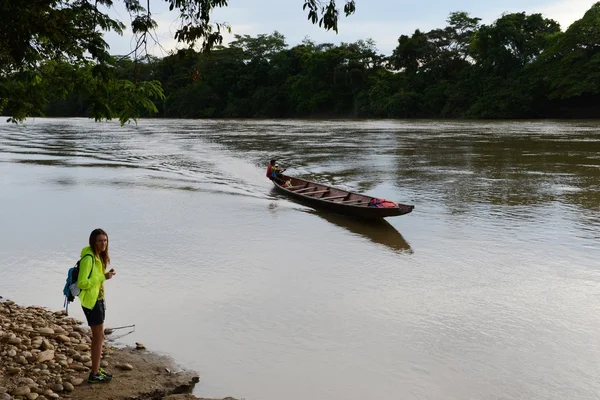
(46, 355)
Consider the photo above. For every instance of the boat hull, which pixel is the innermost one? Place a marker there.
(336, 200)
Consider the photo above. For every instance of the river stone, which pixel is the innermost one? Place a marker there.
(13, 370)
(46, 331)
(58, 387)
(53, 396)
(76, 381)
(21, 391)
(63, 338)
(104, 364)
(12, 353)
(75, 335)
(5, 396)
(68, 387)
(45, 356)
(14, 340)
(81, 330)
(58, 329)
(21, 360)
(82, 347)
(47, 392)
(32, 396)
(46, 345)
(3, 389)
(125, 367)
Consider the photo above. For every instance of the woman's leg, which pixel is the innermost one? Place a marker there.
(97, 343)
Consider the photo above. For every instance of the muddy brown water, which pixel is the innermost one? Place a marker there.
(490, 289)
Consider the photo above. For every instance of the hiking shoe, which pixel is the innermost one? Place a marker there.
(98, 378)
(105, 373)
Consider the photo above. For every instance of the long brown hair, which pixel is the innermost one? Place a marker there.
(104, 257)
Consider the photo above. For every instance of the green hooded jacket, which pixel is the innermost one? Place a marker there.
(90, 288)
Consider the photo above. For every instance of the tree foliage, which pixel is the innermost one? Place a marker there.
(519, 66)
(45, 42)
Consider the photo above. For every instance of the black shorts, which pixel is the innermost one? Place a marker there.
(95, 316)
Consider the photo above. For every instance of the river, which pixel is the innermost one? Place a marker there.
(489, 289)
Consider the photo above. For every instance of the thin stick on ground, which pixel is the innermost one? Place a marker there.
(108, 331)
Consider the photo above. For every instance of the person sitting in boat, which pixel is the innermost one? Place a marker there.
(274, 172)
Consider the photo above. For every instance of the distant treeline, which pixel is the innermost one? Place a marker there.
(521, 66)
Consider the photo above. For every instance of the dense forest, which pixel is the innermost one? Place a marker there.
(520, 66)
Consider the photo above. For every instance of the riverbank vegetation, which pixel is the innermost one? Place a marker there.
(519, 66)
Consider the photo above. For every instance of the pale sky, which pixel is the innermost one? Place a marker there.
(381, 20)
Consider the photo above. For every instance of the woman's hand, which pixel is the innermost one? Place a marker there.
(110, 273)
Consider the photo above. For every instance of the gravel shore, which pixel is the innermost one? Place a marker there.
(46, 355)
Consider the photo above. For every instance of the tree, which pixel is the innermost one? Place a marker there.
(572, 64)
(435, 61)
(520, 66)
(453, 41)
(38, 39)
(261, 47)
(512, 42)
(412, 52)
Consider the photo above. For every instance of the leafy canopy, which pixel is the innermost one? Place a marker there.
(57, 47)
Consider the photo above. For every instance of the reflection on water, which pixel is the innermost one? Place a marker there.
(377, 231)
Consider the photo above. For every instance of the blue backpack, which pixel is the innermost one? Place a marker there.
(71, 290)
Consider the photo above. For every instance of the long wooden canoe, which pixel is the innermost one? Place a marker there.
(337, 200)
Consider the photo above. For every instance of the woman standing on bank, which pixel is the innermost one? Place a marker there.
(92, 274)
